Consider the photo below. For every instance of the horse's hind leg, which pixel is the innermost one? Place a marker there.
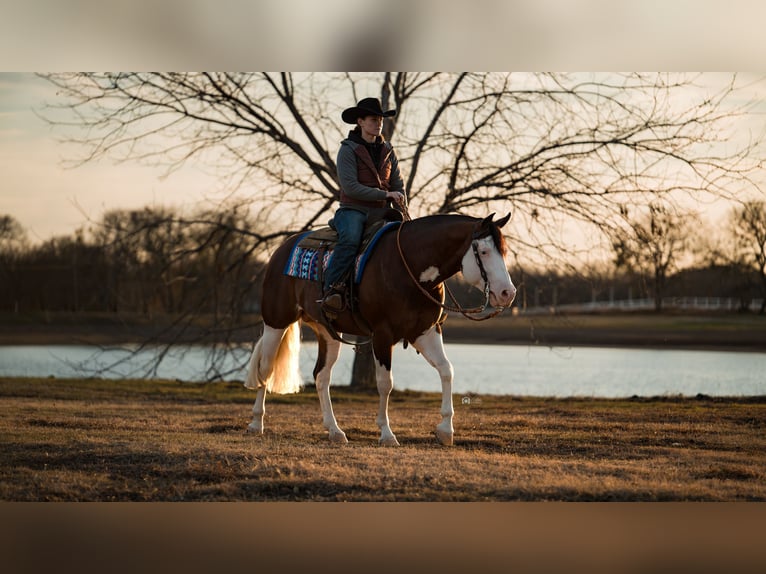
(259, 408)
(431, 346)
(261, 365)
(327, 356)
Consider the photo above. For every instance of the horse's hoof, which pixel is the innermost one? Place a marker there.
(254, 429)
(445, 438)
(389, 441)
(338, 437)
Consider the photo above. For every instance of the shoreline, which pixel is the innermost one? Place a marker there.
(743, 333)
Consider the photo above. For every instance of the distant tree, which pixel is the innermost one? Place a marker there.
(13, 236)
(748, 229)
(651, 245)
(192, 265)
(13, 243)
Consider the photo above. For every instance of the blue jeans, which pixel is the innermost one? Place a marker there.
(349, 223)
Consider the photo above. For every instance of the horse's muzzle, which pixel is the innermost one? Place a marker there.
(503, 299)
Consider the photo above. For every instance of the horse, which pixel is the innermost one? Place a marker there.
(400, 297)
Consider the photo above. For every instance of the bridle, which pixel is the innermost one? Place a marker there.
(457, 308)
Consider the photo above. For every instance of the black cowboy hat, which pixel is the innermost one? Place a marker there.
(365, 107)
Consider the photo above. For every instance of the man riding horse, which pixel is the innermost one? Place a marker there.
(368, 171)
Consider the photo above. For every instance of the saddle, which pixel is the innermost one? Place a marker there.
(311, 251)
(327, 237)
(309, 255)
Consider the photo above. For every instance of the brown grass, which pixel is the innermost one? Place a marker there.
(93, 440)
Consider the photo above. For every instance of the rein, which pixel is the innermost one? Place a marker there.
(457, 308)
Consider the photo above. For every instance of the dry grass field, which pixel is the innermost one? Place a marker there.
(95, 440)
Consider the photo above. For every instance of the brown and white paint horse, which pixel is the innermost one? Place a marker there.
(395, 308)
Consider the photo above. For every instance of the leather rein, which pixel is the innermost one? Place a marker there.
(457, 308)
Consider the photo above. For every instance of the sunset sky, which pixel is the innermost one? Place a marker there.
(49, 198)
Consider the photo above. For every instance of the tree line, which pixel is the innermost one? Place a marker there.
(207, 266)
(140, 263)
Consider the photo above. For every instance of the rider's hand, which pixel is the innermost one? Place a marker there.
(397, 196)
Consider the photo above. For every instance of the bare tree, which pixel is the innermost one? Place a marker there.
(13, 241)
(748, 228)
(652, 246)
(13, 236)
(553, 148)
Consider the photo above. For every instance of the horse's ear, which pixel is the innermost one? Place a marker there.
(504, 220)
(487, 220)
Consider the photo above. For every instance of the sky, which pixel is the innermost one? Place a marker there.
(49, 198)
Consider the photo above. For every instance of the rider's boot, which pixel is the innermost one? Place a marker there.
(334, 300)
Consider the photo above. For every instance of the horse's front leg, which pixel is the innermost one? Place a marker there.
(385, 380)
(431, 346)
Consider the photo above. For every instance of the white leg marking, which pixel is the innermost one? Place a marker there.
(431, 346)
(262, 360)
(259, 408)
(385, 385)
(261, 365)
(322, 381)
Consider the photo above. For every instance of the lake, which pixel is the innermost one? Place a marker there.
(479, 369)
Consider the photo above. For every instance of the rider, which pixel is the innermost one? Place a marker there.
(368, 171)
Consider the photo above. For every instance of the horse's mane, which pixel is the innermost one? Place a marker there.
(499, 240)
(494, 230)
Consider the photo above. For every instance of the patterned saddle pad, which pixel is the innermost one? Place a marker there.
(303, 261)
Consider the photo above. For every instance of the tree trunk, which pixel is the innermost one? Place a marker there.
(363, 372)
(659, 289)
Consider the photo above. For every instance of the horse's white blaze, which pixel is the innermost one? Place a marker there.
(501, 288)
(430, 274)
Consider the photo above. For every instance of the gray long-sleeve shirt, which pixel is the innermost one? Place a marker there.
(348, 175)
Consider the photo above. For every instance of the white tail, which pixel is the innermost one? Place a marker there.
(277, 370)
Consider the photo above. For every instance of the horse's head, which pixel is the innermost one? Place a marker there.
(484, 262)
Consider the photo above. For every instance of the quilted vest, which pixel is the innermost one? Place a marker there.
(371, 176)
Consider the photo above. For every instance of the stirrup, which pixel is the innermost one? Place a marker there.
(334, 301)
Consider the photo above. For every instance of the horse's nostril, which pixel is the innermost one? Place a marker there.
(508, 294)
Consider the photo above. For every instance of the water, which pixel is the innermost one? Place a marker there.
(479, 369)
